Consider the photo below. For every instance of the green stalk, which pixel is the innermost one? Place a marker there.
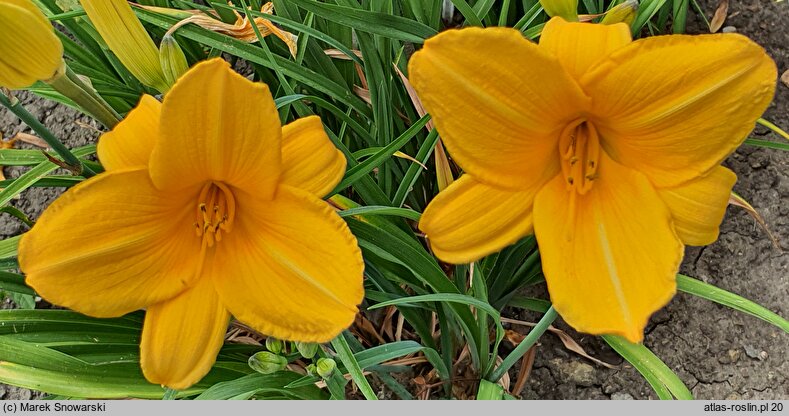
(69, 84)
(340, 345)
(15, 107)
(524, 346)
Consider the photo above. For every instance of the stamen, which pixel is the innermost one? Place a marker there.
(216, 209)
(579, 142)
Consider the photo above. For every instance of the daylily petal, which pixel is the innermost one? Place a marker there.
(111, 245)
(292, 268)
(487, 92)
(579, 45)
(182, 336)
(698, 206)
(217, 125)
(129, 144)
(674, 107)
(470, 219)
(309, 159)
(611, 256)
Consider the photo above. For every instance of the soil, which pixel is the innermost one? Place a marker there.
(719, 353)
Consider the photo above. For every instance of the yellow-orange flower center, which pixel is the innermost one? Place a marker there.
(579, 147)
(216, 209)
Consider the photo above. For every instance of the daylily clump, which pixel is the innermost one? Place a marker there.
(608, 150)
(208, 207)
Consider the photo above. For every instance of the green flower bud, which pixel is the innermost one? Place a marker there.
(307, 349)
(325, 367)
(311, 370)
(274, 345)
(265, 362)
(172, 59)
(566, 9)
(621, 13)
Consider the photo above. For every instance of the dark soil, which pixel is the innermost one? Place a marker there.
(718, 352)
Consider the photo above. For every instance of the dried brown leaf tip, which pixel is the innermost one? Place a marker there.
(242, 29)
(720, 16)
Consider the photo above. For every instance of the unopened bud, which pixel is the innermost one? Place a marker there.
(325, 367)
(311, 370)
(566, 9)
(621, 13)
(265, 362)
(274, 345)
(172, 59)
(307, 349)
(30, 49)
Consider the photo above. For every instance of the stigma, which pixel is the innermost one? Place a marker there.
(579, 149)
(215, 212)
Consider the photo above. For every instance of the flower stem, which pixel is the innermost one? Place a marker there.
(15, 106)
(524, 346)
(69, 84)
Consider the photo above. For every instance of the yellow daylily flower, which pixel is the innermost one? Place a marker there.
(203, 212)
(608, 149)
(127, 39)
(29, 49)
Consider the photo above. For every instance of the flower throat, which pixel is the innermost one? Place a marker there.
(216, 209)
(579, 147)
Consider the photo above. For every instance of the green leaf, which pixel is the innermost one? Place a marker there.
(489, 391)
(664, 381)
(440, 297)
(378, 210)
(381, 353)
(253, 54)
(252, 384)
(9, 246)
(343, 350)
(16, 213)
(28, 178)
(23, 301)
(767, 144)
(384, 24)
(707, 291)
(13, 282)
(355, 173)
(54, 181)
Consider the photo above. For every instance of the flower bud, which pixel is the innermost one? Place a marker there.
(127, 39)
(325, 367)
(29, 49)
(311, 370)
(566, 9)
(307, 349)
(274, 345)
(172, 59)
(265, 362)
(621, 13)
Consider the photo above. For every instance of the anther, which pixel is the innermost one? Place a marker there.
(215, 212)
